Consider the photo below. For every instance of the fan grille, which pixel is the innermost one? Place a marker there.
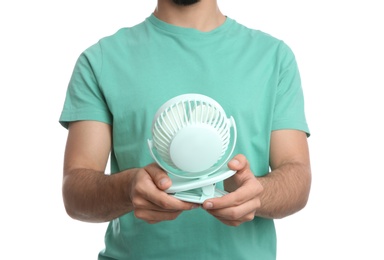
(181, 113)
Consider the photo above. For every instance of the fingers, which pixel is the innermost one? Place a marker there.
(153, 213)
(155, 205)
(232, 199)
(146, 192)
(234, 208)
(237, 183)
(234, 216)
(238, 163)
(153, 217)
(149, 200)
(159, 201)
(163, 182)
(159, 176)
(243, 199)
(152, 204)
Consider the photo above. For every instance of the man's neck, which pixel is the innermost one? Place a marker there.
(203, 16)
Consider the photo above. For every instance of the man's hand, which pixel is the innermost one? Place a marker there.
(241, 204)
(92, 196)
(280, 193)
(149, 201)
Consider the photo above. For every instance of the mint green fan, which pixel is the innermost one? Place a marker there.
(193, 140)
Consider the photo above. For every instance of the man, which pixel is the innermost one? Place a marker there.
(117, 86)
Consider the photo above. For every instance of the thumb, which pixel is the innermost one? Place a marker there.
(159, 176)
(238, 163)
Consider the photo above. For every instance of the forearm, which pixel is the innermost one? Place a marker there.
(286, 190)
(92, 196)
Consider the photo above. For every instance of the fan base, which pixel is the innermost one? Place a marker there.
(197, 196)
(198, 190)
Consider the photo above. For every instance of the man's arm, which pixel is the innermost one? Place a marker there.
(287, 186)
(92, 196)
(280, 193)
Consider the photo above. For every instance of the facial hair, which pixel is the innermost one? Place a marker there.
(185, 2)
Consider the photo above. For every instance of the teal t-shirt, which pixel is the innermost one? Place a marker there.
(124, 78)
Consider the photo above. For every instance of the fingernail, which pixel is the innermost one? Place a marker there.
(235, 162)
(208, 205)
(163, 181)
(195, 206)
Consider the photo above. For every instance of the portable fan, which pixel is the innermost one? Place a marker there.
(193, 141)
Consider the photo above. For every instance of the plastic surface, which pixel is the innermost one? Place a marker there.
(198, 190)
(192, 141)
(202, 146)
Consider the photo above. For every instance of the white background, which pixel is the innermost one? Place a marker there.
(339, 47)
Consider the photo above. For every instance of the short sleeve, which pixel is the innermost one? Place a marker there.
(84, 98)
(289, 111)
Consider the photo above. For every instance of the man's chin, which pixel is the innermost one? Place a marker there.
(185, 2)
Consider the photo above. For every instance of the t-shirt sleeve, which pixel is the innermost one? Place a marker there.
(289, 110)
(84, 98)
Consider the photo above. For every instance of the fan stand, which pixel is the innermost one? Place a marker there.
(192, 136)
(199, 189)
